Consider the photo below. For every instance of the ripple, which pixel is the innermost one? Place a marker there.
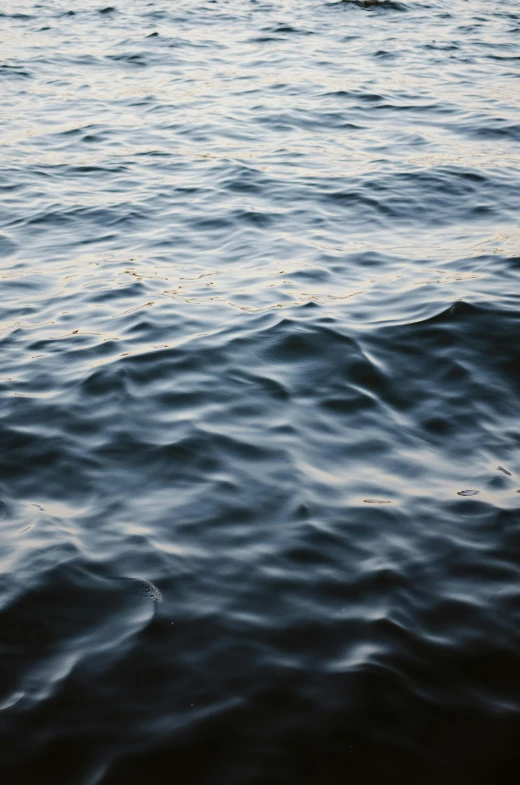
(375, 5)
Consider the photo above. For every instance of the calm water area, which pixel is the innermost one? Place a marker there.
(259, 392)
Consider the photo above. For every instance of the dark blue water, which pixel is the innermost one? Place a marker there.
(259, 392)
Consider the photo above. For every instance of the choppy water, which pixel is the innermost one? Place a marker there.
(259, 392)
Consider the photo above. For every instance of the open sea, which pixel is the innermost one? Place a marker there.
(259, 392)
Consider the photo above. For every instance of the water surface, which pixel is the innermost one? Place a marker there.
(259, 392)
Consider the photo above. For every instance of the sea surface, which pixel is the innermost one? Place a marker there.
(259, 392)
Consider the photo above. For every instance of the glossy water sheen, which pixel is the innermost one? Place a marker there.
(259, 392)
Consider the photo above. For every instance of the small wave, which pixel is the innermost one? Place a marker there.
(138, 588)
(372, 5)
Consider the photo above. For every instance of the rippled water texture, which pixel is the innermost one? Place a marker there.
(259, 392)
